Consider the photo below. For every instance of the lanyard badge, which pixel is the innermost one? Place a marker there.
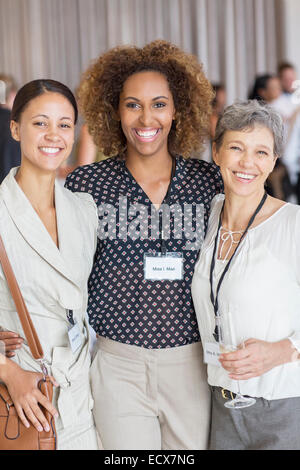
(162, 267)
(74, 333)
(214, 299)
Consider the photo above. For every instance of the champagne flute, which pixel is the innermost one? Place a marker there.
(228, 343)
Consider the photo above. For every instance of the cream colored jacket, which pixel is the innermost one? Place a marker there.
(51, 281)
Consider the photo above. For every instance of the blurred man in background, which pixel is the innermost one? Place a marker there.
(287, 75)
(10, 155)
(288, 105)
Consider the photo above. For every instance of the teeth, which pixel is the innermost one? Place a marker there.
(245, 176)
(50, 149)
(147, 133)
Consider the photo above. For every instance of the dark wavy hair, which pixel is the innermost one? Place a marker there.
(102, 84)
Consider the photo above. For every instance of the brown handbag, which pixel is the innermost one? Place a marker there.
(13, 434)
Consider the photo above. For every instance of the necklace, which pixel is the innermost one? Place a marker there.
(214, 297)
(228, 235)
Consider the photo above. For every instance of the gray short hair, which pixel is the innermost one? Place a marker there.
(245, 115)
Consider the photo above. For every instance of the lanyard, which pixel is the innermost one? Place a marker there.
(70, 317)
(214, 300)
(166, 200)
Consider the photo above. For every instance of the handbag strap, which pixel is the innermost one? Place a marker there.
(26, 322)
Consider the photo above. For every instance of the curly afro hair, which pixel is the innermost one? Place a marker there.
(102, 83)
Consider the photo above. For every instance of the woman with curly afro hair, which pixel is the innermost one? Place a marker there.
(148, 109)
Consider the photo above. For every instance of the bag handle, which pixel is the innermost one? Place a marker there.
(26, 322)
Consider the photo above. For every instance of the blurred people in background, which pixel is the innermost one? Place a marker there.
(288, 105)
(10, 154)
(218, 106)
(268, 88)
(86, 153)
(86, 149)
(287, 75)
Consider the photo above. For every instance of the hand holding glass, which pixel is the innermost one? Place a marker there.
(228, 343)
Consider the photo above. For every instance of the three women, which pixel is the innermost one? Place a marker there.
(146, 107)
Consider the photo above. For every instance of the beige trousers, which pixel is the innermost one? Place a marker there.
(150, 399)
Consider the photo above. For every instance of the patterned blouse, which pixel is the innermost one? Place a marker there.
(123, 306)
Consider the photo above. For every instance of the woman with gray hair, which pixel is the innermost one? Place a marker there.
(246, 290)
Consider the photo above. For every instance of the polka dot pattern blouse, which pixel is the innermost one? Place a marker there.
(123, 306)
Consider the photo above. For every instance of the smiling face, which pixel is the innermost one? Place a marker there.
(146, 111)
(45, 131)
(246, 158)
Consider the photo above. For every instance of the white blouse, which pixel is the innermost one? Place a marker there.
(260, 294)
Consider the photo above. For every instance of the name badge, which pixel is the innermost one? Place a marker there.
(75, 337)
(212, 353)
(158, 267)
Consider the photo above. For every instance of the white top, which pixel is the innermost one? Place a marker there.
(261, 294)
(286, 105)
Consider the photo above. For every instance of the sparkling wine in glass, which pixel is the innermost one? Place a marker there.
(228, 343)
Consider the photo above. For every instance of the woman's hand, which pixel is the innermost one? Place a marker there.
(23, 388)
(12, 341)
(257, 357)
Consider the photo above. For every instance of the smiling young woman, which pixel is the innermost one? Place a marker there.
(46, 130)
(146, 121)
(148, 108)
(44, 228)
(147, 117)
